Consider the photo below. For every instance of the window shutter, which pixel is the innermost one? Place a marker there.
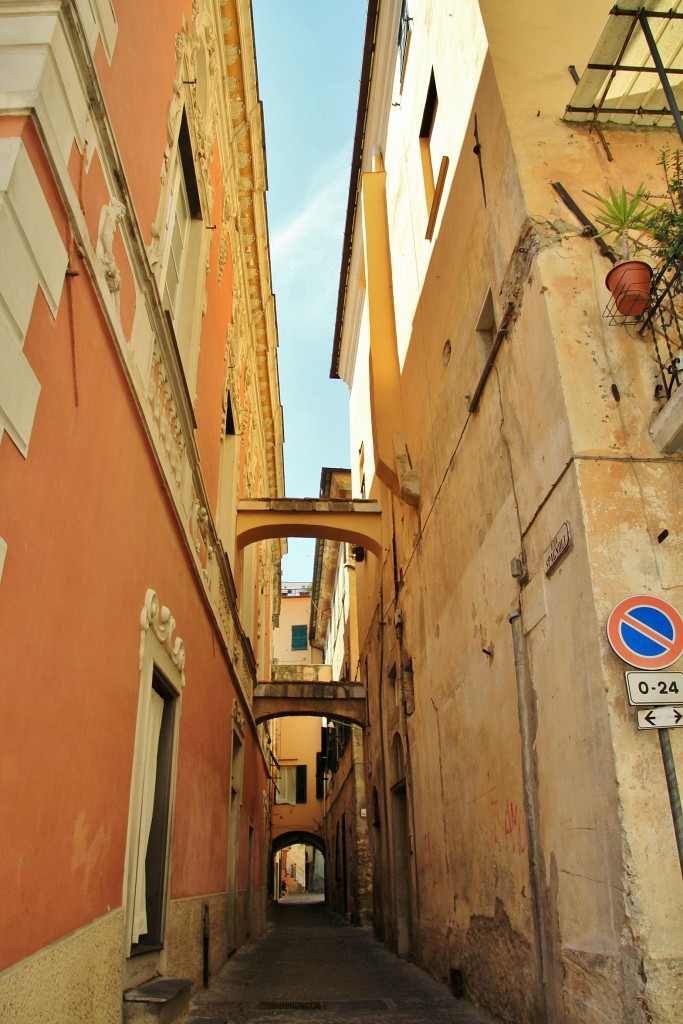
(319, 776)
(299, 638)
(301, 783)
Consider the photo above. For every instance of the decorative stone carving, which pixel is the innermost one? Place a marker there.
(223, 609)
(162, 624)
(201, 534)
(229, 356)
(154, 251)
(110, 217)
(222, 251)
(238, 719)
(165, 413)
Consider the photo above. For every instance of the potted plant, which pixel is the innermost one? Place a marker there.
(666, 221)
(627, 219)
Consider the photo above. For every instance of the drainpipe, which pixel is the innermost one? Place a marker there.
(544, 948)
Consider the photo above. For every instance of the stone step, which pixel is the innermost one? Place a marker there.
(160, 1001)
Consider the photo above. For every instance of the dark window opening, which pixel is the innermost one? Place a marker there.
(319, 775)
(301, 789)
(429, 114)
(189, 173)
(338, 735)
(229, 418)
(403, 37)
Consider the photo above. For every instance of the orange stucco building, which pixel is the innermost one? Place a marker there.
(138, 403)
(297, 809)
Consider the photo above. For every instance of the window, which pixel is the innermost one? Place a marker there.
(150, 820)
(154, 816)
(181, 242)
(403, 38)
(319, 775)
(229, 418)
(434, 164)
(299, 638)
(227, 487)
(291, 786)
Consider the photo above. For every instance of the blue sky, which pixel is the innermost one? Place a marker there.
(309, 56)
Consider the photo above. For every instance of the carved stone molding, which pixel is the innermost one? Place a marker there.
(165, 413)
(110, 217)
(202, 538)
(238, 719)
(252, 272)
(162, 624)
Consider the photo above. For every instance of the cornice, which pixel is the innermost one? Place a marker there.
(380, 54)
(247, 141)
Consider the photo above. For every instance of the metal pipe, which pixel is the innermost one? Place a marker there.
(205, 944)
(674, 793)
(529, 785)
(661, 71)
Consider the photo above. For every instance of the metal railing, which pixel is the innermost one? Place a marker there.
(663, 321)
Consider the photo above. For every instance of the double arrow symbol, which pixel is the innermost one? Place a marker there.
(660, 718)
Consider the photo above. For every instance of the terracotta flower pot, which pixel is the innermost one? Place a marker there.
(629, 283)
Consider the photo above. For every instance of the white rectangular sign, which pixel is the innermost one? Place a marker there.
(558, 546)
(660, 718)
(654, 687)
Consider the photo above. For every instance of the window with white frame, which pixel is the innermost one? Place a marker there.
(150, 823)
(181, 245)
(291, 785)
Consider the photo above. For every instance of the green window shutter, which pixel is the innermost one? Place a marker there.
(299, 638)
(301, 783)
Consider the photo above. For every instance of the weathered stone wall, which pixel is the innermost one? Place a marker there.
(536, 814)
(346, 812)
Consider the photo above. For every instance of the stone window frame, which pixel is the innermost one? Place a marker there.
(160, 655)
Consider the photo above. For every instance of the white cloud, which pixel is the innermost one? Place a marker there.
(306, 250)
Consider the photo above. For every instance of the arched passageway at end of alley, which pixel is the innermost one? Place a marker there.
(298, 864)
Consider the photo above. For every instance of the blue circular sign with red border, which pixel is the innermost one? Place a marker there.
(646, 632)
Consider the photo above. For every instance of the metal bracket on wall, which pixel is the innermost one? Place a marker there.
(590, 229)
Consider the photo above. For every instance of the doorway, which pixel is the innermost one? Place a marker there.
(401, 852)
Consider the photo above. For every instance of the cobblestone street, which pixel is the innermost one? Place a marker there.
(311, 966)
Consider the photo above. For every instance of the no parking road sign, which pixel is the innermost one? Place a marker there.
(646, 632)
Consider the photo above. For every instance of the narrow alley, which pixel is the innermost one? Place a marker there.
(310, 966)
(429, 770)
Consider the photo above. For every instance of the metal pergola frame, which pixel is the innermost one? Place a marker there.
(640, 17)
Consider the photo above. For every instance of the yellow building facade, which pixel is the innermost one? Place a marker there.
(524, 450)
(297, 808)
(334, 630)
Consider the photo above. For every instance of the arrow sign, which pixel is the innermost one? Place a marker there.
(660, 718)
